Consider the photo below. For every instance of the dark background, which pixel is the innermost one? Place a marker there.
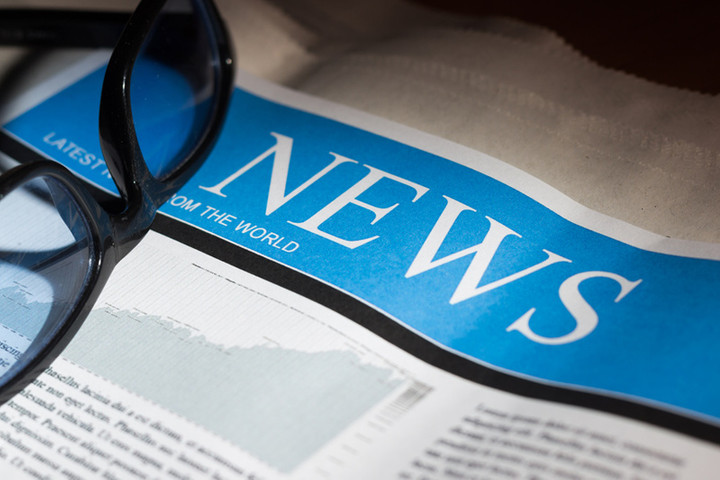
(671, 42)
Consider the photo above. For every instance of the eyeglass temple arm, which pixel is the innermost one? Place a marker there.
(60, 28)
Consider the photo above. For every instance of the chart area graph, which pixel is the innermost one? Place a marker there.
(26, 301)
(199, 339)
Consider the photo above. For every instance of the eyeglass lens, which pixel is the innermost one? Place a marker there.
(44, 265)
(173, 86)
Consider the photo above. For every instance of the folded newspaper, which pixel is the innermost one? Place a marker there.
(335, 295)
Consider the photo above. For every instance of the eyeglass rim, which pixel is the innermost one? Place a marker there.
(114, 234)
(118, 140)
(102, 262)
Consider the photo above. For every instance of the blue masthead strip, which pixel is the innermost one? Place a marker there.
(458, 256)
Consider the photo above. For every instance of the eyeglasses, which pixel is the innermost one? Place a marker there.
(58, 242)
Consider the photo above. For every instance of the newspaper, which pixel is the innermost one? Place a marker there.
(334, 295)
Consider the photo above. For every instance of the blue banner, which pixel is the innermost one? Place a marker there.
(457, 256)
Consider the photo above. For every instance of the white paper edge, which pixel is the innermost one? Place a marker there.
(512, 176)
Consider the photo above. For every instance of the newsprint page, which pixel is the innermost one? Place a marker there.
(335, 296)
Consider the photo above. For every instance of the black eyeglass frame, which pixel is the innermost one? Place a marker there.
(115, 231)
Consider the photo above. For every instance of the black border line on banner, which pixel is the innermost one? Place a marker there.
(421, 348)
